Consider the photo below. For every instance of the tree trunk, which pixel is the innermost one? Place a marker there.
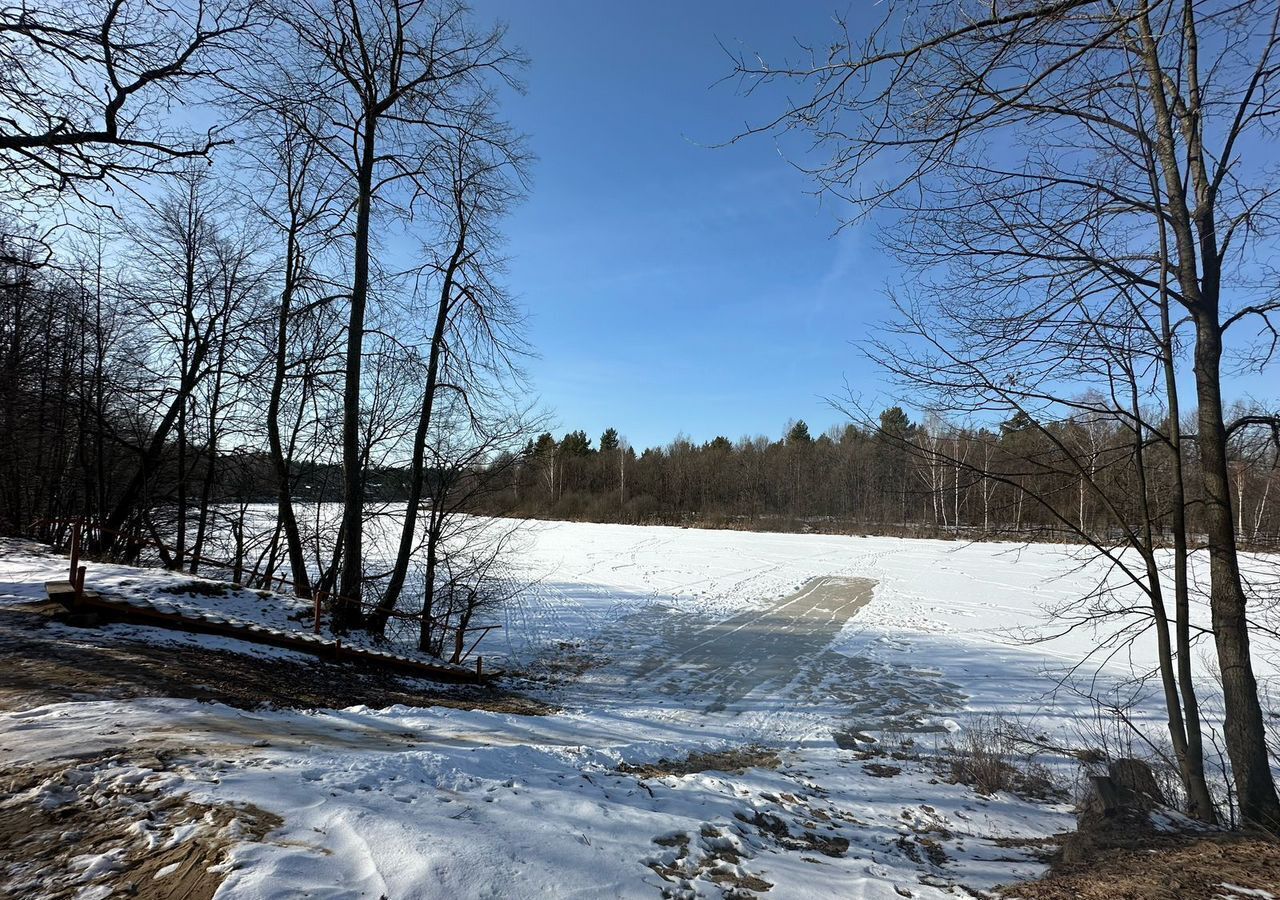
(211, 466)
(460, 636)
(180, 537)
(1190, 762)
(346, 606)
(1245, 732)
(417, 469)
(284, 482)
(425, 633)
(1199, 800)
(154, 450)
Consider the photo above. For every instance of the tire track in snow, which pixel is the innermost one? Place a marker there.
(728, 660)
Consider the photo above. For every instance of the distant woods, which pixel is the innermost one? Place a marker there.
(252, 253)
(886, 473)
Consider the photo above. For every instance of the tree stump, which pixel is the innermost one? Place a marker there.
(1136, 776)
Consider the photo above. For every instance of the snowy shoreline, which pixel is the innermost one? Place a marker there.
(462, 803)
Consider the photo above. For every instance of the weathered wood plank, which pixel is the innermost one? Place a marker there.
(65, 593)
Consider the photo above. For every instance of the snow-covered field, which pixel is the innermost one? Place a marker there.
(657, 643)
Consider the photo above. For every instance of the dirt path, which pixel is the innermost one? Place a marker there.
(110, 821)
(728, 660)
(765, 667)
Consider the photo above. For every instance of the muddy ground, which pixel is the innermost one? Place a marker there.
(43, 661)
(1165, 867)
(110, 816)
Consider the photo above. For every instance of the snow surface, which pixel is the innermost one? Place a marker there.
(625, 628)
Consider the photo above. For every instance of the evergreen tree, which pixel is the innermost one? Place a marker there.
(1019, 421)
(575, 443)
(894, 422)
(545, 447)
(799, 433)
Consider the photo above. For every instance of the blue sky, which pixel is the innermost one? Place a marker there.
(672, 286)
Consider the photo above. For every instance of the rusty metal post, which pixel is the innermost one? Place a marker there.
(75, 550)
(319, 598)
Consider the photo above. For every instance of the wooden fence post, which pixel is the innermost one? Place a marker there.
(319, 598)
(78, 584)
(479, 667)
(75, 551)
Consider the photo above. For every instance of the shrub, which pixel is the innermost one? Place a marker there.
(990, 755)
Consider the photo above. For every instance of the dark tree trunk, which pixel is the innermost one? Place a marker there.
(1200, 801)
(426, 633)
(284, 479)
(417, 469)
(346, 606)
(211, 463)
(1198, 270)
(152, 453)
(1245, 731)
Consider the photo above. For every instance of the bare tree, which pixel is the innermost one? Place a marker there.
(1057, 153)
(302, 204)
(86, 87)
(239, 282)
(175, 246)
(471, 458)
(387, 74)
(472, 340)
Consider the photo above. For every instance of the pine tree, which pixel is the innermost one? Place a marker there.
(799, 433)
(894, 422)
(575, 443)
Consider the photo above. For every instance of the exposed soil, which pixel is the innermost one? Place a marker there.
(730, 761)
(108, 828)
(41, 665)
(774, 828)
(716, 862)
(1164, 867)
(880, 770)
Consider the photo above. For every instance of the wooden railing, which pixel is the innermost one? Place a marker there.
(268, 581)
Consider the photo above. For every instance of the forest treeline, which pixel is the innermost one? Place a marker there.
(880, 477)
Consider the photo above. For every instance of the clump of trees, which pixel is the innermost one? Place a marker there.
(196, 320)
